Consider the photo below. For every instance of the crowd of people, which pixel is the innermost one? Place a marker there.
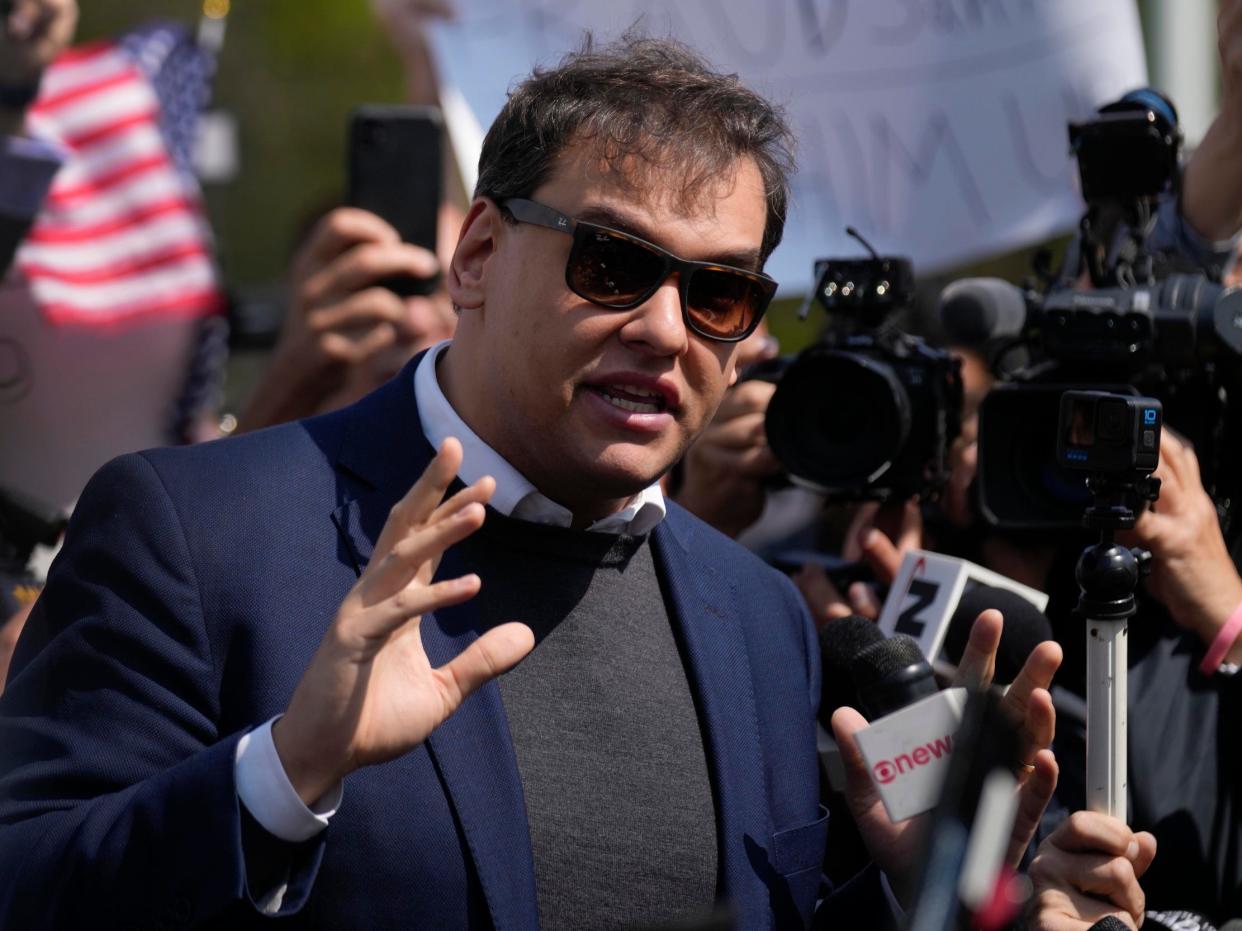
(462, 626)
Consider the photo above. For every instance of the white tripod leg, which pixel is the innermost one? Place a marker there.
(1106, 717)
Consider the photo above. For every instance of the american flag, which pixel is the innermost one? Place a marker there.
(123, 237)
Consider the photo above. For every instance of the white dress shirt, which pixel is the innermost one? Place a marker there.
(262, 784)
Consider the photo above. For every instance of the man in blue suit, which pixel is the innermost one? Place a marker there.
(330, 673)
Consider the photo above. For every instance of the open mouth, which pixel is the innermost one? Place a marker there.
(635, 400)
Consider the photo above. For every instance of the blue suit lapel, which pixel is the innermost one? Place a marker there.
(472, 750)
(702, 611)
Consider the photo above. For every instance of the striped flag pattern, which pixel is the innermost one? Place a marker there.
(123, 236)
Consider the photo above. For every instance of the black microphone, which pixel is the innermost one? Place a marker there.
(1025, 628)
(891, 674)
(1109, 923)
(840, 641)
(976, 310)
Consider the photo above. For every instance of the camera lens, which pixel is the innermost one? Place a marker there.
(838, 420)
(1111, 421)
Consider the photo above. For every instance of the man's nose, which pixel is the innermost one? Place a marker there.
(657, 325)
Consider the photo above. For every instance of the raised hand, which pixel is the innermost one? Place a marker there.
(370, 694)
(895, 846)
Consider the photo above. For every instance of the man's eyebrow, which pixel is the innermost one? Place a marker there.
(748, 259)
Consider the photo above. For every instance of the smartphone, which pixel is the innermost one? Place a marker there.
(395, 171)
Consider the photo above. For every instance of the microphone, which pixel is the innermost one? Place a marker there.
(890, 674)
(907, 750)
(930, 589)
(976, 310)
(1025, 628)
(840, 642)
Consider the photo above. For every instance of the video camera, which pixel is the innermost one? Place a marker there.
(868, 412)
(1148, 327)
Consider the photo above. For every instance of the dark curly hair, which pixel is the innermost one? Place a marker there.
(650, 103)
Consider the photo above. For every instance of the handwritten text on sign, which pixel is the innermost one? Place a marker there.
(936, 127)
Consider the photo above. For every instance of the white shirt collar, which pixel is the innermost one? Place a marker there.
(515, 496)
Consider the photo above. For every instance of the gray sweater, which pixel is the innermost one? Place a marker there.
(608, 743)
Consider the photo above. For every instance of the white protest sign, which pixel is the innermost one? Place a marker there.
(926, 591)
(937, 128)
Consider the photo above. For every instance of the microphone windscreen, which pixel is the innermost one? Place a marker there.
(1025, 627)
(1109, 923)
(890, 675)
(840, 641)
(975, 310)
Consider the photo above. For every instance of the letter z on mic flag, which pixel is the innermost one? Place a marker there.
(122, 236)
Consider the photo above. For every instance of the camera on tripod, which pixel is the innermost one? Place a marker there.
(1148, 327)
(869, 411)
(1109, 434)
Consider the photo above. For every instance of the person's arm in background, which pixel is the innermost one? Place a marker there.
(341, 322)
(1206, 222)
(31, 36)
(1192, 573)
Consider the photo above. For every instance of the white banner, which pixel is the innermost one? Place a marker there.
(937, 128)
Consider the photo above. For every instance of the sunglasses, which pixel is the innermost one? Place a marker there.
(613, 269)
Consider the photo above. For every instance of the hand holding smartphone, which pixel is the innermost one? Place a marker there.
(395, 172)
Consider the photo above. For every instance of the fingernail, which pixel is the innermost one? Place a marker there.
(869, 537)
(1132, 851)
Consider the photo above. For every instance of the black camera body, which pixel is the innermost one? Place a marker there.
(1110, 434)
(1179, 340)
(869, 412)
(1144, 329)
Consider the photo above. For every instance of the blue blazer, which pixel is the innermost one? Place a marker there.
(193, 588)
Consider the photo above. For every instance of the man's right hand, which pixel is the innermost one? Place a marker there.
(370, 694)
(1087, 869)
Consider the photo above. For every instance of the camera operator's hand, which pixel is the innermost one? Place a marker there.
(341, 323)
(1191, 571)
(1211, 184)
(31, 36)
(725, 470)
(879, 534)
(1087, 869)
(895, 847)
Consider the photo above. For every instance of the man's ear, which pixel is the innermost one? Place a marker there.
(475, 245)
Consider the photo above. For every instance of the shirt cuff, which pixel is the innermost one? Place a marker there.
(265, 790)
(27, 167)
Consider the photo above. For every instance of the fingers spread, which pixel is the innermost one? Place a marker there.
(382, 619)
(422, 498)
(978, 662)
(494, 653)
(1033, 798)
